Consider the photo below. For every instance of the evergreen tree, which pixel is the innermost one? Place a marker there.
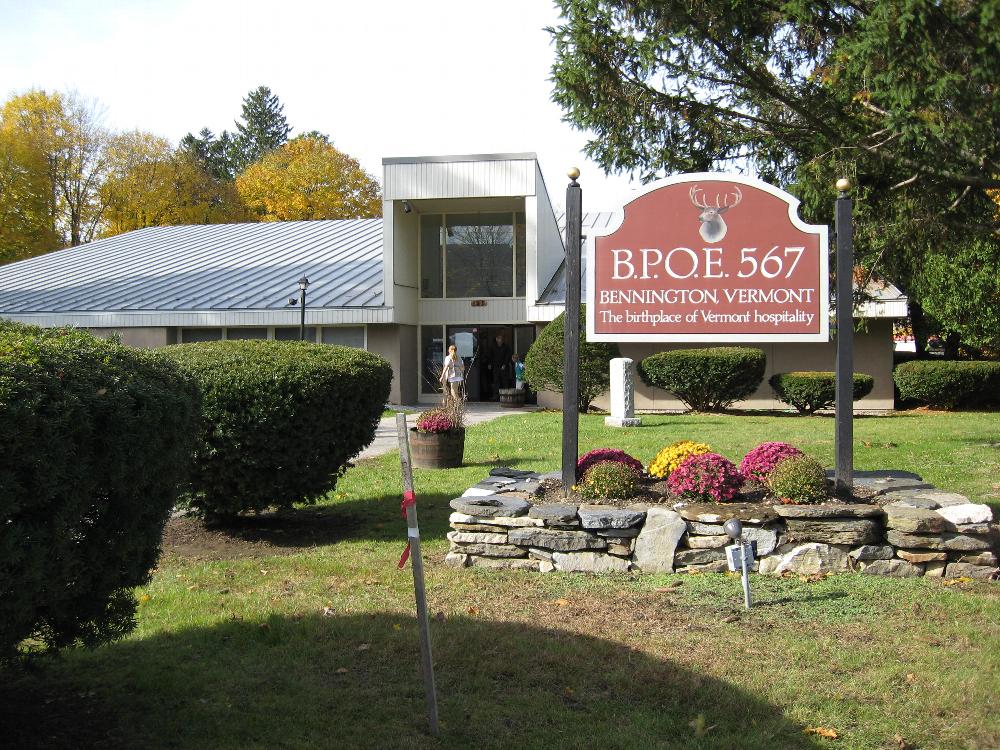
(214, 155)
(263, 128)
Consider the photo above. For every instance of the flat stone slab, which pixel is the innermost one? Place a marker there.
(958, 570)
(707, 542)
(589, 562)
(656, 544)
(869, 552)
(809, 559)
(719, 566)
(479, 528)
(479, 491)
(894, 568)
(914, 520)
(852, 531)
(921, 556)
(929, 498)
(975, 558)
(491, 506)
(966, 514)
(888, 480)
(554, 513)
(619, 533)
(456, 560)
(609, 517)
(719, 513)
(706, 529)
(828, 510)
(489, 550)
(947, 541)
(766, 539)
(470, 537)
(698, 556)
(562, 541)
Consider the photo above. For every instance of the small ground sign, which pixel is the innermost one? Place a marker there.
(709, 257)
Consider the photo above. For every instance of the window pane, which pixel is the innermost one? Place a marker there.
(431, 357)
(191, 335)
(431, 278)
(246, 333)
(348, 336)
(520, 264)
(292, 334)
(480, 255)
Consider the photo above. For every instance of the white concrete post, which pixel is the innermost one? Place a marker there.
(622, 394)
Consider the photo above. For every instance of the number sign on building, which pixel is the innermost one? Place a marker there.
(709, 257)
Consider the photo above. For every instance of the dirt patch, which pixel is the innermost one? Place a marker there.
(254, 536)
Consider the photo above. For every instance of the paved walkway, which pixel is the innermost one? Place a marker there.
(475, 413)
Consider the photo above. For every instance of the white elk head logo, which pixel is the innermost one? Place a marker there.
(713, 228)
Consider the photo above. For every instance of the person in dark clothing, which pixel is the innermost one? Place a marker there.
(500, 366)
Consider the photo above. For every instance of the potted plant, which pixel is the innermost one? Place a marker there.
(438, 440)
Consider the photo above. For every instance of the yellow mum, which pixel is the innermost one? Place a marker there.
(670, 458)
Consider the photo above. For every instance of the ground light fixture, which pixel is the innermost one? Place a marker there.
(740, 555)
(303, 285)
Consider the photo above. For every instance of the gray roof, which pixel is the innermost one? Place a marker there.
(554, 292)
(204, 267)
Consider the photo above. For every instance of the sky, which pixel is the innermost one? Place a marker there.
(383, 79)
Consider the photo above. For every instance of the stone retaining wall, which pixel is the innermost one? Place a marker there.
(909, 528)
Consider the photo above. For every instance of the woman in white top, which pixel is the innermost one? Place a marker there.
(452, 375)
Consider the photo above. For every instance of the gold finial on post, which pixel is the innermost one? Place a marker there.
(573, 173)
(843, 185)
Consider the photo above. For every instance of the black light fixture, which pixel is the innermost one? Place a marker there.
(303, 285)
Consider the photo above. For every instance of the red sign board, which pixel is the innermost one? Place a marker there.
(709, 257)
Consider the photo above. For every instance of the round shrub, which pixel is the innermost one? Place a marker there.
(280, 419)
(609, 479)
(707, 477)
(95, 438)
(543, 364)
(670, 458)
(606, 454)
(759, 462)
(811, 391)
(709, 379)
(948, 384)
(798, 479)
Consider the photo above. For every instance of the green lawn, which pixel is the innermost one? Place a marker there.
(298, 647)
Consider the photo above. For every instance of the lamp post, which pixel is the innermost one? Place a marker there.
(740, 555)
(303, 285)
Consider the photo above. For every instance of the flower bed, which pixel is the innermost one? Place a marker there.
(904, 528)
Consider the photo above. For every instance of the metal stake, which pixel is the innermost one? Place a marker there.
(571, 333)
(844, 438)
(747, 551)
(417, 562)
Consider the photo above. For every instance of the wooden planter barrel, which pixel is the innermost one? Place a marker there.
(437, 450)
(511, 398)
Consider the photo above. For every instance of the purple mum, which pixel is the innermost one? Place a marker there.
(706, 477)
(759, 462)
(606, 454)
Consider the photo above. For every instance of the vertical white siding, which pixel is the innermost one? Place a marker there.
(550, 252)
(460, 179)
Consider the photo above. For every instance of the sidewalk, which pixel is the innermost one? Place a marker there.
(475, 413)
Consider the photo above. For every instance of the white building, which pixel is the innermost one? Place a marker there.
(469, 248)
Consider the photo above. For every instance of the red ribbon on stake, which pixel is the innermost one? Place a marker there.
(409, 498)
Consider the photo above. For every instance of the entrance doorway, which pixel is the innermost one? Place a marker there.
(487, 351)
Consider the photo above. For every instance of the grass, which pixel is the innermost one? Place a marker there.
(301, 647)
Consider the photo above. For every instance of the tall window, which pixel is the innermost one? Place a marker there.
(472, 255)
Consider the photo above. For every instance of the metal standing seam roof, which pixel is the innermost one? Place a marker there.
(204, 267)
(554, 292)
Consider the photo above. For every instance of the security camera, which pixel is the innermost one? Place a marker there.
(293, 300)
(407, 207)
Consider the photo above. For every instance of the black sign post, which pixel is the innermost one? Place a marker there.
(844, 438)
(571, 332)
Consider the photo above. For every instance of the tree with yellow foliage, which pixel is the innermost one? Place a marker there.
(149, 184)
(307, 178)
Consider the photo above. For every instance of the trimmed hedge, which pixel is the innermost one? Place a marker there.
(809, 392)
(948, 384)
(709, 379)
(543, 364)
(94, 442)
(280, 420)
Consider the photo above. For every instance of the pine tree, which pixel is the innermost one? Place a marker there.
(263, 128)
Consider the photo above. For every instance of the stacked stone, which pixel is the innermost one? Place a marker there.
(939, 533)
(502, 531)
(702, 548)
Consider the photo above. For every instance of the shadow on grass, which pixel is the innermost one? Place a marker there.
(353, 681)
